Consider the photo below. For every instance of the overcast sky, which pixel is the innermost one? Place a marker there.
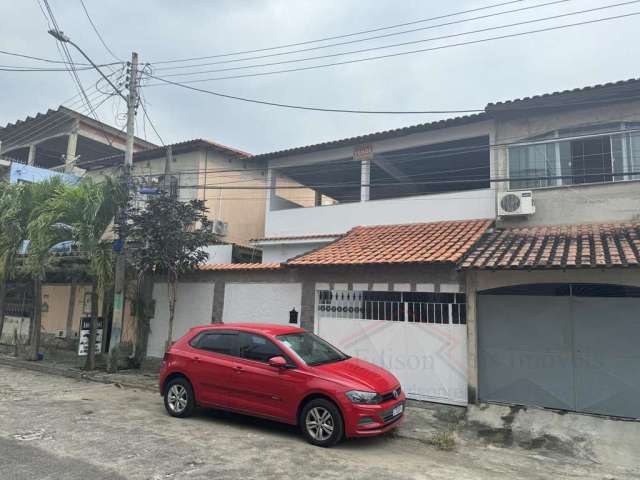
(464, 77)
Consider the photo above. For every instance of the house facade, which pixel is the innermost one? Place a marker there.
(192, 170)
(538, 198)
(553, 295)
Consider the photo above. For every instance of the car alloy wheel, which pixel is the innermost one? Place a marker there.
(320, 423)
(177, 398)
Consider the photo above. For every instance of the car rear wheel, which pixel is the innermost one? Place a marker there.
(321, 423)
(179, 400)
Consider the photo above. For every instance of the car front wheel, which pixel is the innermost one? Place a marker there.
(321, 423)
(179, 400)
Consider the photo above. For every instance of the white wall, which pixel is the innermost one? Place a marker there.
(219, 253)
(261, 302)
(194, 306)
(340, 218)
(285, 251)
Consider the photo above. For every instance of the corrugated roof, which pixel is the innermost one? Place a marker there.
(210, 267)
(177, 148)
(436, 242)
(422, 127)
(619, 89)
(64, 111)
(562, 246)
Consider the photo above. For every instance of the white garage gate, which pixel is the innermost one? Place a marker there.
(261, 302)
(419, 336)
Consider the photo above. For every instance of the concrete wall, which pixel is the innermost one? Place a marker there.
(477, 281)
(423, 208)
(285, 251)
(194, 306)
(400, 278)
(243, 210)
(331, 219)
(572, 204)
(56, 317)
(261, 302)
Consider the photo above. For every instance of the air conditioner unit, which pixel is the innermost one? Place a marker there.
(219, 227)
(516, 203)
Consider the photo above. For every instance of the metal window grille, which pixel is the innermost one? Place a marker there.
(419, 307)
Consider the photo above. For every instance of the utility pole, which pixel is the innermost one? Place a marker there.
(120, 280)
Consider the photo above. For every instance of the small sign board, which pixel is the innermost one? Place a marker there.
(85, 331)
(363, 152)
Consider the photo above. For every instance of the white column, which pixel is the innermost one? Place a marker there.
(32, 155)
(365, 179)
(72, 143)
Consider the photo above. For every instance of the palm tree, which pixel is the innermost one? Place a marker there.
(12, 233)
(86, 211)
(37, 229)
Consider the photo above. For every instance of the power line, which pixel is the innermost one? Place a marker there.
(391, 55)
(317, 109)
(95, 29)
(335, 37)
(394, 45)
(331, 45)
(49, 60)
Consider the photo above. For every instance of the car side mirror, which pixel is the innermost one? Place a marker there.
(278, 362)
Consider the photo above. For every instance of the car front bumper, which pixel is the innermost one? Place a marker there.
(371, 420)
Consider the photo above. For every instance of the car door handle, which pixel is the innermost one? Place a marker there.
(196, 359)
(238, 369)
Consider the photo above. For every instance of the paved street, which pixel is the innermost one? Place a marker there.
(59, 428)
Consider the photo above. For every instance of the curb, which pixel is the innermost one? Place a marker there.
(71, 373)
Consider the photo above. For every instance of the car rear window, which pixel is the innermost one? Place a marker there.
(216, 341)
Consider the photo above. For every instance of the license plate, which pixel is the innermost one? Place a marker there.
(397, 410)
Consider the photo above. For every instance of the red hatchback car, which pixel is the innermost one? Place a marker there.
(281, 373)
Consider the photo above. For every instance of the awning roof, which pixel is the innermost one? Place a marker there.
(562, 246)
(417, 243)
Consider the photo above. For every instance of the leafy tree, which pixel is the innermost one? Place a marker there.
(166, 237)
(23, 223)
(12, 233)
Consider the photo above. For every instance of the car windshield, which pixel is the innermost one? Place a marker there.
(311, 348)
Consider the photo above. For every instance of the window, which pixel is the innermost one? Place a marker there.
(216, 341)
(422, 307)
(258, 348)
(312, 349)
(590, 159)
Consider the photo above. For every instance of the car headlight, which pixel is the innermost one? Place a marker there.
(369, 398)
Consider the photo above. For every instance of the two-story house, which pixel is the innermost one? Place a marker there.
(491, 257)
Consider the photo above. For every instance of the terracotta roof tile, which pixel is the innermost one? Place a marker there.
(436, 242)
(562, 246)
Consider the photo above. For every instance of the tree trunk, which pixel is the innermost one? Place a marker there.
(144, 313)
(36, 318)
(172, 287)
(91, 354)
(71, 308)
(3, 294)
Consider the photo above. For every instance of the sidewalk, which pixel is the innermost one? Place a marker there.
(125, 378)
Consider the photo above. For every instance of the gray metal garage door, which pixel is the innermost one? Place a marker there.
(572, 347)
